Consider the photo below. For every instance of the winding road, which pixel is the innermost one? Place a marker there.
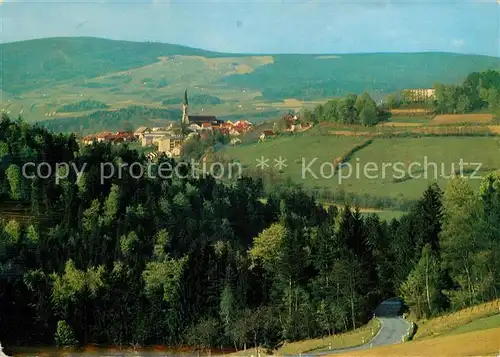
(392, 330)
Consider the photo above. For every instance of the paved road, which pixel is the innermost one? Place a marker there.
(392, 330)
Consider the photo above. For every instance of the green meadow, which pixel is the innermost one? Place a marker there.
(388, 167)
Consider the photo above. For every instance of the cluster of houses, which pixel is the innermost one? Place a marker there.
(226, 128)
(116, 138)
(168, 140)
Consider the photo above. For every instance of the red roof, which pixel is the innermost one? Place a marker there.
(104, 135)
(123, 135)
(128, 133)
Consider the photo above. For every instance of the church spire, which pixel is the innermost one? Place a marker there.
(185, 115)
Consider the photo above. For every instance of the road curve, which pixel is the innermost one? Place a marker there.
(393, 329)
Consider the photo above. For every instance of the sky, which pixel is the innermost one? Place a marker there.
(272, 26)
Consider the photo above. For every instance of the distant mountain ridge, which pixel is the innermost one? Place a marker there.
(27, 65)
(32, 64)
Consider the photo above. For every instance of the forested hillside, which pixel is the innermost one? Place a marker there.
(45, 63)
(113, 120)
(198, 262)
(32, 64)
(307, 77)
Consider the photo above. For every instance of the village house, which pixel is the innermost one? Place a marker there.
(234, 132)
(146, 141)
(194, 127)
(104, 136)
(121, 137)
(266, 134)
(141, 131)
(89, 139)
(206, 126)
(170, 145)
(154, 137)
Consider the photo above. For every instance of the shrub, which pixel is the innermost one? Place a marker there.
(64, 336)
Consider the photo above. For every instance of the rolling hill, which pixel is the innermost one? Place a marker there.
(42, 78)
(33, 64)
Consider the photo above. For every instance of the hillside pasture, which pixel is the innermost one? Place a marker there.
(296, 149)
(450, 322)
(477, 325)
(446, 119)
(391, 158)
(427, 159)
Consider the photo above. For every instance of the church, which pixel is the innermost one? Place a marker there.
(199, 120)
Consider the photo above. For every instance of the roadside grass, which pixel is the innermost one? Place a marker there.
(349, 339)
(477, 343)
(459, 319)
(477, 325)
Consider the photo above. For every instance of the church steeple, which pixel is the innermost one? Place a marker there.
(185, 116)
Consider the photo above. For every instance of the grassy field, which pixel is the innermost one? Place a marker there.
(373, 168)
(477, 325)
(349, 339)
(478, 343)
(458, 320)
(383, 214)
(462, 118)
(443, 151)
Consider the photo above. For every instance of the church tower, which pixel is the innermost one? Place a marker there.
(185, 116)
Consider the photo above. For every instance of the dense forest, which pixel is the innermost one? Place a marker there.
(309, 77)
(351, 109)
(193, 261)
